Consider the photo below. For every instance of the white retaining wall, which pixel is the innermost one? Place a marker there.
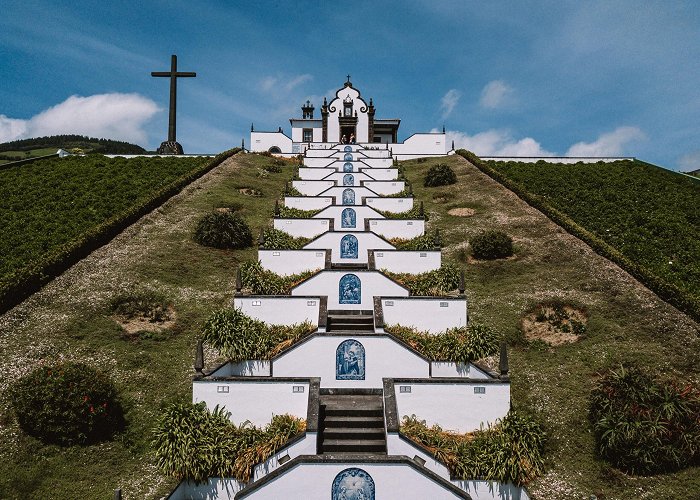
(337, 194)
(307, 202)
(365, 241)
(358, 177)
(430, 314)
(384, 358)
(319, 162)
(308, 228)
(255, 401)
(468, 411)
(313, 481)
(492, 490)
(382, 174)
(312, 188)
(395, 205)
(250, 368)
(395, 445)
(286, 262)
(419, 145)
(361, 212)
(283, 309)
(398, 228)
(385, 188)
(407, 261)
(327, 283)
(263, 141)
(450, 369)
(315, 173)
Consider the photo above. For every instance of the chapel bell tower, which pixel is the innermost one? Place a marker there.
(307, 110)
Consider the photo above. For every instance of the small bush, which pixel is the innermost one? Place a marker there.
(66, 404)
(430, 283)
(439, 175)
(223, 230)
(645, 426)
(459, 345)
(148, 305)
(510, 451)
(260, 281)
(240, 337)
(428, 241)
(491, 245)
(273, 168)
(192, 443)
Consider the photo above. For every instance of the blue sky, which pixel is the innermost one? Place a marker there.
(528, 78)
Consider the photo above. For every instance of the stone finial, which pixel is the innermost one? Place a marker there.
(503, 362)
(461, 282)
(279, 129)
(199, 357)
(261, 238)
(453, 144)
(252, 129)
(243, 144)
(410, 190)
(118, 494)
(286, 187)
(239, 280)
(421, 210)
(438, 240)
(443, 128)
(277, 208)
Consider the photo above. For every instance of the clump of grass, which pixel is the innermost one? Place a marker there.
(239, 337)
(146, 304)
(427, 241)
(295, 213)
(260, 281)
(274, 239)
(491, 245)
(192, 443)
(460, 345)
(560, 316)
(644, 425)
(439, 175)
(223, 230)
(510, 451)
(430, 283)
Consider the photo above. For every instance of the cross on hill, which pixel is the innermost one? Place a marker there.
(173, 74)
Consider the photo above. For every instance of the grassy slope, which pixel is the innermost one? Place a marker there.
(68, 319)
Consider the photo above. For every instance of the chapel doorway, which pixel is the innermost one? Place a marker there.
(348, 132)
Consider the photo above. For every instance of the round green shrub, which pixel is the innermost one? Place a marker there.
(491, 245)
(643, 425)
(440, 175)
(66, 404)
(223, 230)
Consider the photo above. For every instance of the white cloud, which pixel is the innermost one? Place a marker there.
(449, 101)
(496, 94)
(286, 83)
(690, 162)
(112, 116)
(608, 144)
(496, 142)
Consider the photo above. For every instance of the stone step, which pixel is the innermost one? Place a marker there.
(352, 401)
(350, 312)
(349, 327)
(351, 318)
(362, 433)
(354, 421)
(354, 446)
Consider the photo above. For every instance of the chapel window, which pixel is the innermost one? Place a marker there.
(307, 135)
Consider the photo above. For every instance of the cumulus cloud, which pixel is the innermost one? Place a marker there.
(449, 101)
(113, 116)
(496, 142)
(608, 144)
(690, 162)
(496, 94)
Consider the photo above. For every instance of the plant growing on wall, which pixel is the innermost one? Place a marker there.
(260, 281)
(240, 337)
(192, 443)
(67, 403)
(412, 214)
(295, 213)
(439, 175)
(460, 345)
(431, 283)
(223, 230)
(274, 239)
(510, 451)
(644, 425)
(427, 241)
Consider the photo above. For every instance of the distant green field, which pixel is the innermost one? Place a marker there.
(50, 202)
(649, 214)
(9, 156)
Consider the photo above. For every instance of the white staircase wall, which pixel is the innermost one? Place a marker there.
(431, 314)
(407, 261)
(307, 228)
(280, 310)
(286, 262)
(396, 205)
(365, 241)
(405, 229)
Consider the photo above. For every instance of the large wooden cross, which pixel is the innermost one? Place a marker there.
(174, 75)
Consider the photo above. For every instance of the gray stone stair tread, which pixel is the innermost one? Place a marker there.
(352, 431)
(366, 420)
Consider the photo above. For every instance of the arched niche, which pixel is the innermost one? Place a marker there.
(348, 180)
(348, 218)
(350, 360)
(348, 197)
(350, 290)
(348, 247)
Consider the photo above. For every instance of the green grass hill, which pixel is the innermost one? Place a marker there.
(41, 146)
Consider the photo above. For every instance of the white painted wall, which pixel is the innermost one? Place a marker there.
(398, 228)
(395, 445)
(315, 173)
(362, 212)
(381, 174)
(362, 127)
(337, 194)
(384, 357)
(307, 202)
(320, 150)
(396, 205)
(308, 228)
(251, 368)
(313, 481)
(358, 177)
(286, 262)
(332, 239)
(263, 141)
(468, 411)
(450, 369)
(406, 261)
(492, 490)
(282, 309)
(305, 446)
(312, 188)
(318, 162)
(327, 283)
(255, 401)
(214, 489)
(434, 315)
(419, 145)
(384, 188)
(377, 163)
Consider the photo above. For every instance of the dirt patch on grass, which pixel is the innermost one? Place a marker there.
(462, 212)
(554, 323)
(139, 326)
(250, 192)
